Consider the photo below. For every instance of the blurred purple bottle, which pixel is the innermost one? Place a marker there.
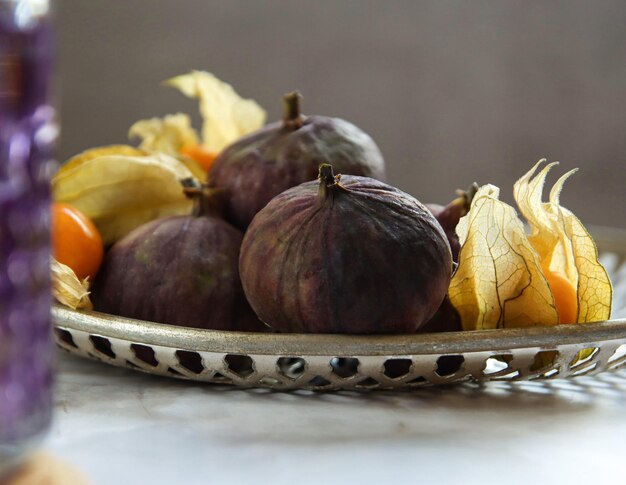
(27, 135)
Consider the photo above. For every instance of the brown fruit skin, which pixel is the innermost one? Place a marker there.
(263, 164)
(359, 258)
(180, 270)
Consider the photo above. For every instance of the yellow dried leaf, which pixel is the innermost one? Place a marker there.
(119, 193)
(227, 116)
(67, 289)
(564, 246)
(92, 153)
(498, 282)
(168, 134)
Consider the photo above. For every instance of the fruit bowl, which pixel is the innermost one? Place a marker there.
(331, 362)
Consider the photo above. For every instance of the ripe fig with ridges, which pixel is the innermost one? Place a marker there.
(287, 153)
(345, 254)
(180, 270)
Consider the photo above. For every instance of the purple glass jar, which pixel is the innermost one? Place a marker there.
(27, 136)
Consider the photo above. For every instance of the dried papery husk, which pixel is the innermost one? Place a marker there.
(168, 135)
(499, 282)
(120, 192)
(226, 115)
(91, 153)
(563, 244)
(67, 289)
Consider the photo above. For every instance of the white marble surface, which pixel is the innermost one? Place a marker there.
(123, 427)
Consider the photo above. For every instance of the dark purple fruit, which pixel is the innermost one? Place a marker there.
(446, 319)
(345, 254)
(450, 215)
(287, 153)
(180, 270)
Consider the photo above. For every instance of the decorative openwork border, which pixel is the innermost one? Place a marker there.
(341, 361)
(328, 362)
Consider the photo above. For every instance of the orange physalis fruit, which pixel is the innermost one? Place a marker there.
(76, 241)
(565, 298)
(200, 154)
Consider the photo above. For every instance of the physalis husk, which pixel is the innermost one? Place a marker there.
(168, 134)
(67, 289)
(568, 254)
(508, 279)
(119, 192)
(226, 115)
(96, 152)
(498, 282)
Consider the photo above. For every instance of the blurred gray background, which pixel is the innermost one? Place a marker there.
(452, 91)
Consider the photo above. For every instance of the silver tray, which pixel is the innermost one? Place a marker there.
(330, 362)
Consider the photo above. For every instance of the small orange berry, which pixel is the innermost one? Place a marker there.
(76, 242)
(200, 154)
(565, 297)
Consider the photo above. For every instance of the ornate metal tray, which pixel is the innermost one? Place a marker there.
(329, 362)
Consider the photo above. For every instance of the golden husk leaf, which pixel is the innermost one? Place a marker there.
(120, 192)
(499, 282)
(563, 244)
(168, 135)
(67, 289)
(227, 116)
(96, 152)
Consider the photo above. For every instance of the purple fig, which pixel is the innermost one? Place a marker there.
(450, 215)
(180, 270)
(287, 153)
(446, 319)
(345, 254)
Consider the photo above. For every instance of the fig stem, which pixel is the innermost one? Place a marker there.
(326, 175)
(328, 179)
(292, 116)
(451, 214)
(207, 201)
(468, 195)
